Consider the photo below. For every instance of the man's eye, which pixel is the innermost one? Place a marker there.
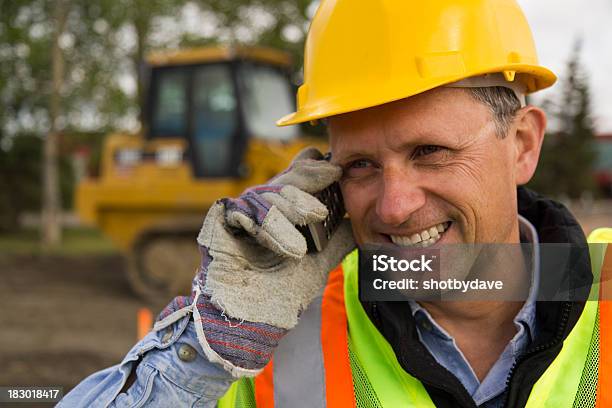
(359, 168)
(426, 150)
(359, 164)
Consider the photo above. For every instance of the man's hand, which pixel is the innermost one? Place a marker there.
(256, 277)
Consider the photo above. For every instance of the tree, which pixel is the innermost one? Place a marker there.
(20, 170)
(566, 165)
(281, 24)
(51, 209)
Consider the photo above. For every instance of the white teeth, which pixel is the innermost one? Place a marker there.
(433, 232)
(403, 241)
(423, 239)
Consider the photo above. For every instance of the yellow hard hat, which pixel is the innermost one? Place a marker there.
(364, 53)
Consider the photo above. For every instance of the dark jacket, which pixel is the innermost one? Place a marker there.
(554, 224)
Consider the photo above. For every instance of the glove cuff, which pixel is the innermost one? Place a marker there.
(245, 347)
(242, 348)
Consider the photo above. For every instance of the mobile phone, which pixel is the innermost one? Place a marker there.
(318, 234)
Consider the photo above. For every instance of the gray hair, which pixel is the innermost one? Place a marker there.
(502, 102)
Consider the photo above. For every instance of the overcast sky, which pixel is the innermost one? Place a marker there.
(556, 24)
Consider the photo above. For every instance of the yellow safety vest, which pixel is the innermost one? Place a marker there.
(337, 358)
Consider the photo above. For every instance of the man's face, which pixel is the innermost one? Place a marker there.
(430, 165)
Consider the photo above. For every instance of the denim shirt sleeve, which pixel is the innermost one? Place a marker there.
(173, 371)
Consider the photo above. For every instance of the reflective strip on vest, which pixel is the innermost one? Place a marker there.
(604, 398)
(301, 351)
(310, 367)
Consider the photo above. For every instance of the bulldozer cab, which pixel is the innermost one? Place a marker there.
(208, 132)
(216, 100)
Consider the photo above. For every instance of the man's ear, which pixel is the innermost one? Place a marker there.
(529, 125)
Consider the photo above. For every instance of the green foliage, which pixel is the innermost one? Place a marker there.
(91, 95)
(20, 174)
(568, 154)
(279, 24)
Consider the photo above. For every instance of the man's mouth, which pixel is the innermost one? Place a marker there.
(422, 239)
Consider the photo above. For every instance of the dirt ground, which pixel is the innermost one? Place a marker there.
(65, 317)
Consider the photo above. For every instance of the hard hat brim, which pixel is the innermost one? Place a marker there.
(536, 78)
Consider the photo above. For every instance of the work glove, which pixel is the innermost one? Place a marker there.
(256, 276)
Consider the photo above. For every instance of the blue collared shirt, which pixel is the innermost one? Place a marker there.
(489, 392)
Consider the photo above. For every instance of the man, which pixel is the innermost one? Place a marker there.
(430, 137)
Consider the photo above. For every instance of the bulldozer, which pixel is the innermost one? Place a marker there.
(208, 131)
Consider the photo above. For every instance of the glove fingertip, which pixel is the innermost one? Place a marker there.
(307, 153)
(237, 219)
(304, 208)
(279, 235)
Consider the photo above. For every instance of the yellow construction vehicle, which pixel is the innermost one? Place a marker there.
(209, 132)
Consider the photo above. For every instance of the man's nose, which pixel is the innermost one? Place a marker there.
(400, 196)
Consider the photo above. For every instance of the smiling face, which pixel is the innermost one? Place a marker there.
(431, 169)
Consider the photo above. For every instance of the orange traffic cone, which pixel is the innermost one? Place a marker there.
(144, 321)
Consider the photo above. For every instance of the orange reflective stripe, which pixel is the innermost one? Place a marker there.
(334, 338)
(604, 382)
(339, 391)
(264, 387)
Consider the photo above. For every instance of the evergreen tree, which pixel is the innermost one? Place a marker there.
(568, 155)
